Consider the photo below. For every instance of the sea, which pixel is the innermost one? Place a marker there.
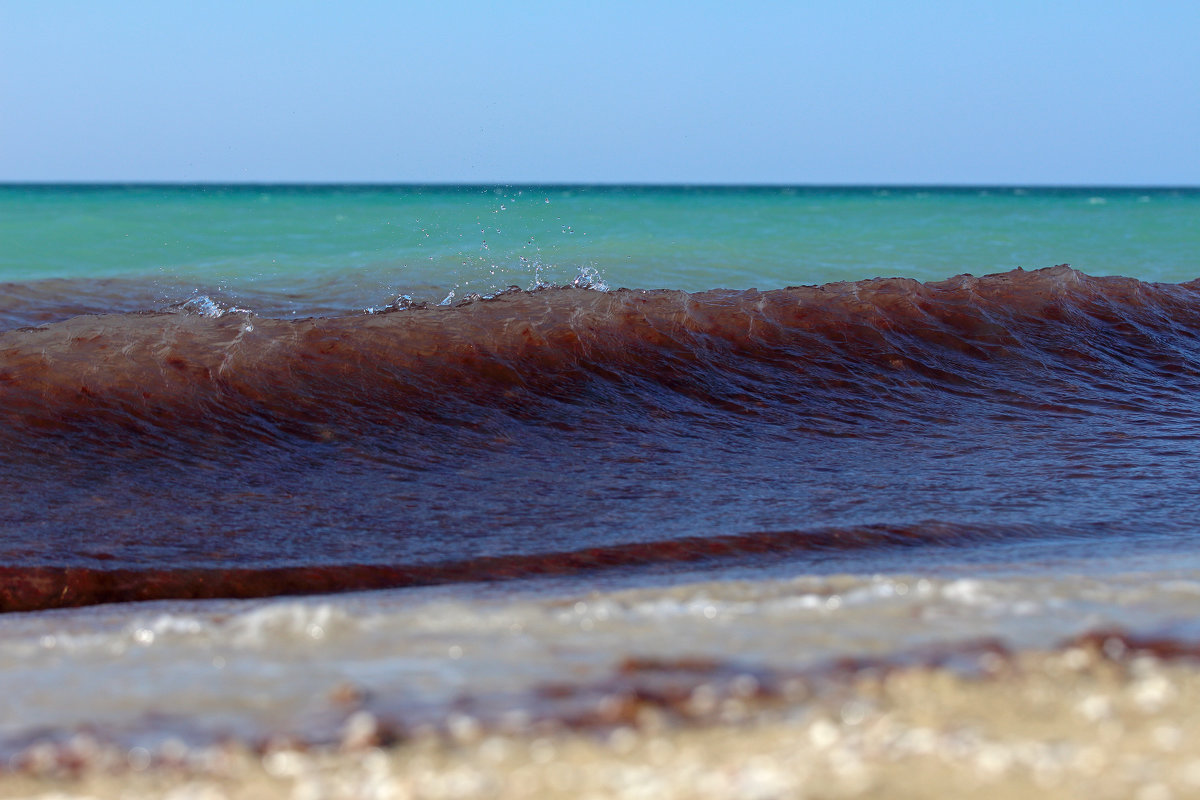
(271, 456)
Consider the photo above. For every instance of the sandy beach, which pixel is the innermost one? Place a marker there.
(1105, 717)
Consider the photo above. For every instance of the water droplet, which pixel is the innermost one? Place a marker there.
(589, 278)
(204, 306)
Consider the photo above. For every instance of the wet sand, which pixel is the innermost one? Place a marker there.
(1102, 717)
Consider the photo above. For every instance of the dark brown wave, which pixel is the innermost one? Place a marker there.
(731, 352)
(35, 588)
(167, 454)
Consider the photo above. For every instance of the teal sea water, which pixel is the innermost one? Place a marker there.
(357, 247)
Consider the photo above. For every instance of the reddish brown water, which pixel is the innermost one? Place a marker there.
(168, 454)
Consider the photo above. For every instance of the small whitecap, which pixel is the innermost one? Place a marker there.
(589, 278)
(204, 306)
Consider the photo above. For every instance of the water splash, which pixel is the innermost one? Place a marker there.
(403, 302)
(538, 282)
(204, 306)
(590, 278)
(587, 277)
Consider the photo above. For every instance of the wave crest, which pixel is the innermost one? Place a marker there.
(1051, 339)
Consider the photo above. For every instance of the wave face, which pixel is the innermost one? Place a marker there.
(149, 452)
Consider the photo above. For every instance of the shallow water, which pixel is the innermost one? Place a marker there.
(505, 656)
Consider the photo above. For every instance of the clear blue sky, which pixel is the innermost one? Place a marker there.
(1015, 92)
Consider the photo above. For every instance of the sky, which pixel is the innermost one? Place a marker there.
(998, 93)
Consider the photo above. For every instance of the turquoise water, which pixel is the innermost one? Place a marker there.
(366, 243)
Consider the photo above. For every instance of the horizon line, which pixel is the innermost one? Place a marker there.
(595, 185)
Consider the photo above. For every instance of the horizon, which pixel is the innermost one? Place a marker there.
(604, 185)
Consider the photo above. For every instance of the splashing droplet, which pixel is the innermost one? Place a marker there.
(204, 306)
(589, 278)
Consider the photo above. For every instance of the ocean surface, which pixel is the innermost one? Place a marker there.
(448, 445)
